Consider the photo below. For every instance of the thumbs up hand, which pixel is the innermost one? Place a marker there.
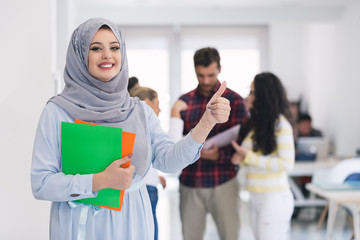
(218, 109)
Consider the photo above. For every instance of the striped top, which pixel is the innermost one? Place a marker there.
(269, 173)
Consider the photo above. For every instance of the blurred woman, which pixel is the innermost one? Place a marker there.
(267, 152)
(152, 178)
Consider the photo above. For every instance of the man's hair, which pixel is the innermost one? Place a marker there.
(206, 56)
(304, 117)
(132, 82)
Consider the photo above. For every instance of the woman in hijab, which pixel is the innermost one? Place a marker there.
(96, 78)
(267, 152)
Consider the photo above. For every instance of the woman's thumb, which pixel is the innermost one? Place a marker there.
(123, 162)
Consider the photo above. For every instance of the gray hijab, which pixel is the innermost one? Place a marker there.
(104, 103)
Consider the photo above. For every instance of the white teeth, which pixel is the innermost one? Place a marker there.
(106, 66)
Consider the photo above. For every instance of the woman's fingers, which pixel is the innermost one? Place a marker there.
(236, 159)
(123, 162)
(119, 173)
(219, 103)
(236, 146)
(216, 107)
(220, 109)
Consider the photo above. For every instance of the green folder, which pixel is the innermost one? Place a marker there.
(90, 149)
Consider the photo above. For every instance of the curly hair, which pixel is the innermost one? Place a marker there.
(270, 101)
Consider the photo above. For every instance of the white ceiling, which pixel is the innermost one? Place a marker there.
(222, 3)
(210, 12)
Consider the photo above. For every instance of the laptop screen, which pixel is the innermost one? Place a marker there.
(312, 148)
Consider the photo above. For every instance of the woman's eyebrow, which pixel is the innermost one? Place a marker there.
(103, 44)
(96, 43)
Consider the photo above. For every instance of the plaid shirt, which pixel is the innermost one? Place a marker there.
(206, 173)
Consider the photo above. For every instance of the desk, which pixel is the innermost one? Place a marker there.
(350, 199)
(306, 169)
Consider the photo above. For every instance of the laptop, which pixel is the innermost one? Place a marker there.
(312, 148)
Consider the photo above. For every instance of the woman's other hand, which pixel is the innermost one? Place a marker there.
(162, 181)
(240, 153)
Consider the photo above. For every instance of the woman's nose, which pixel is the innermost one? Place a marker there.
(106, 54)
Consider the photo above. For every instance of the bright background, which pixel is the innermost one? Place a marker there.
(312, 45)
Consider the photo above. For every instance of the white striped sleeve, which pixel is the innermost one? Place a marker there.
(282, 159)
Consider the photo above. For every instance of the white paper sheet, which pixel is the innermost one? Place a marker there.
(224, 138)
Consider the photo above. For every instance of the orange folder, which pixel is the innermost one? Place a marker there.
(127, 149)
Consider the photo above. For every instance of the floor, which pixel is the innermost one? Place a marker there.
(302, 227)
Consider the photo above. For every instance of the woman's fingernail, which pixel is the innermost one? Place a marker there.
(130, 156)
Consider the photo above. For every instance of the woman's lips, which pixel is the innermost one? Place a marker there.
(106, 65)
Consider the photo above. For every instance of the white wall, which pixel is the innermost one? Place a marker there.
(286, 53)
(348, 131)
(26, 84)
(319, 62)
(334, 79)
(323, 84)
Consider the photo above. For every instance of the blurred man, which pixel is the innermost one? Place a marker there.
(210, 184)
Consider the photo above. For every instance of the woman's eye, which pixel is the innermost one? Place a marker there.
(95, 49)
(115, 48)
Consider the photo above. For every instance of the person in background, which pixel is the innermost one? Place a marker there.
(267, 151)
(176, 128)
(305, 128)
(152, 178)
(176, 123)
(133, 82)
(210, 184)
(96, 80)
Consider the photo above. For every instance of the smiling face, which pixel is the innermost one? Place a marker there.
(104, 60)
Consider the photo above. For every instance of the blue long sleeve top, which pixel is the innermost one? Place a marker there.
(72, 220)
